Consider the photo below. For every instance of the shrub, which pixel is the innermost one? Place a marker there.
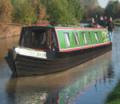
(5, 11)
(24, 12)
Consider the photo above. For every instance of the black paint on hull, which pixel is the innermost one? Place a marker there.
(27, 66)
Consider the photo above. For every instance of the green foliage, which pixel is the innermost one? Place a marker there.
(117, 22)
(114, 102)
(76, 9)
(5, 11)
(114, 96)
(113, 9)
(63, 11)
(98, 11)
(24, 12)
(91, 8)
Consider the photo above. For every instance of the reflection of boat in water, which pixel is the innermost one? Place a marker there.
(59, 88)
(49, 49)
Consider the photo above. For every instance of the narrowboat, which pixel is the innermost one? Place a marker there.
(48, 49)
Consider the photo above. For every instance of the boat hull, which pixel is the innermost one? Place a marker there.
(27, 66)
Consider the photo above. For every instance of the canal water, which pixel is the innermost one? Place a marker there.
(88, 83)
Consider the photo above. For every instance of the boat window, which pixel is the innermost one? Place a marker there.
(54, 41)
(96, 37)
(35, 38)
(76, 37)
(67, 39)
(85, 40)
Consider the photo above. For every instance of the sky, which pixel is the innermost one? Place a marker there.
(103, 3)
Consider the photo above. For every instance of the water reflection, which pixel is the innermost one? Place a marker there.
(116, 51)
(59, 88)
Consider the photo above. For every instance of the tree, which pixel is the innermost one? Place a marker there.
(5, 11)
(89, 3)
(113, 9)
(91, 8)
(76, 9)
(40, 10)
(95, 11)
(23, 12)
(65, 12)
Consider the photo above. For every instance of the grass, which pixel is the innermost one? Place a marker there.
(114, 96)
(117, 22)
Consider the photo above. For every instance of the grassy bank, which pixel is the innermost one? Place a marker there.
(114, 96)
(117, 22)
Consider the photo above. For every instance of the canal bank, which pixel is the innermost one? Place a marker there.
(7, 43)
(114, 96)
(9, 35)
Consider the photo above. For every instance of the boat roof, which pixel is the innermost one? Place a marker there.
(37, 26)
(62, 27)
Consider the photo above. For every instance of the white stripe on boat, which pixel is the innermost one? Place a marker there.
(31, 52)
